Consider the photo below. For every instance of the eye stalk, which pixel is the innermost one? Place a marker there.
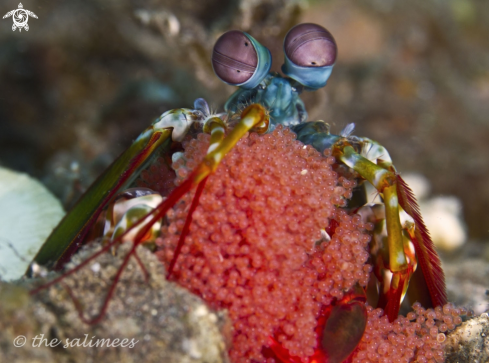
(310, 54)
(239, 59)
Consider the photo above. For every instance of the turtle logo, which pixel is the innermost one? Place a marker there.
(20, 17)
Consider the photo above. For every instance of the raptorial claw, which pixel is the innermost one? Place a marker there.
(339, 330)
(344, 328)
(343, 331)
(395, 264)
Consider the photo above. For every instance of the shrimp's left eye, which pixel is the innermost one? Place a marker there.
(239, 59)
(310, 54)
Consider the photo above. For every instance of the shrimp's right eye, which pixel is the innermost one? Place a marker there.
(310, 54)
(239, 60)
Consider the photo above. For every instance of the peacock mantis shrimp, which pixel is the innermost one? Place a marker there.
(267, 109)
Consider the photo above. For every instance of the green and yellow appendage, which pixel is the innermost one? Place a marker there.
(395, 262)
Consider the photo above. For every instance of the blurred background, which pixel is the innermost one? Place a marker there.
(90, 75)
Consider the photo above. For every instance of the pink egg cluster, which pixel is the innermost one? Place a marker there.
(159, 177)
(419, 337)
(257, 245)
(270, 242)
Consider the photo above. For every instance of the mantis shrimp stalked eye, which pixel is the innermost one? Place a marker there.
(310, 54)
(239, 60)
(260, 219)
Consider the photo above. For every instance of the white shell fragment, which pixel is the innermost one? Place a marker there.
(443, 218)
(28, 214)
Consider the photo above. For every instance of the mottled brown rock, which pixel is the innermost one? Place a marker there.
(168, 323)
(469, 343)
